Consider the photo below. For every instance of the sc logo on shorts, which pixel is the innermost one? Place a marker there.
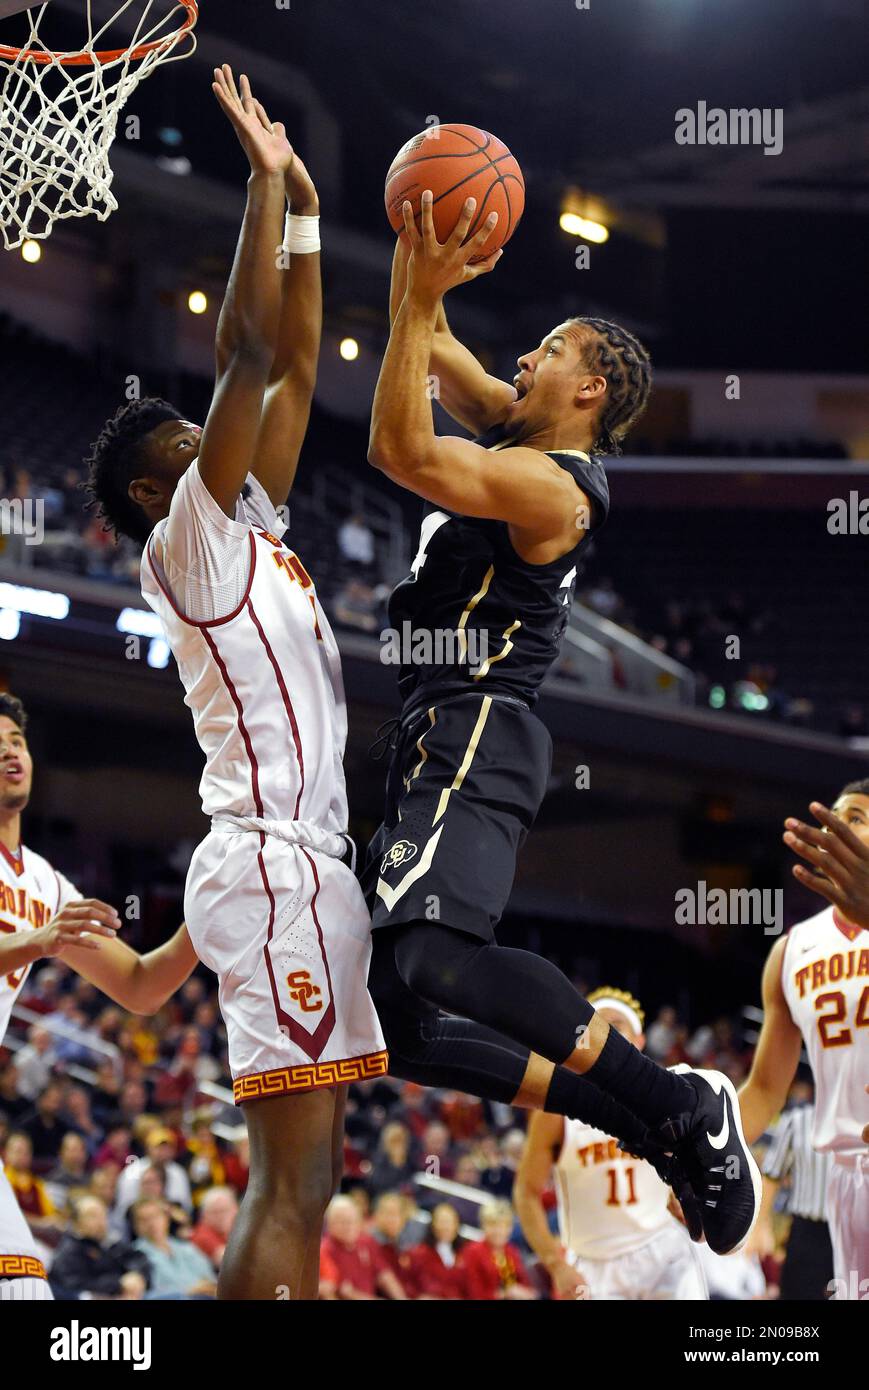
(305, 994)
(399, 854)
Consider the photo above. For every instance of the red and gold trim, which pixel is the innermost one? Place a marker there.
(21, 1267)
(309, 1076)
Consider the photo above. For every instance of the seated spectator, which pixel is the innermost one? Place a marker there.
(438, 1271)
(70, 1171)
(468, 1174)
(205, 1167)
(493, 1268)
(116, 1147)
(153, 1184)
(392, 1232)
(104, 1184)
(89, 1260)
(352, 1266)
(77, 1113)
(237, 1163)
(355, 605)
(218, 1211)
(393, 1167)
(44, 1128)
(160, 1148)
(176, 1267)
(13, 1105)
(34, 1062)
(33, 1199)
(356, 541)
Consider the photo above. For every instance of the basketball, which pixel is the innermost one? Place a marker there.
(457, 162)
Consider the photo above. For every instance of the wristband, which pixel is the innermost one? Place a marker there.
(301, 234)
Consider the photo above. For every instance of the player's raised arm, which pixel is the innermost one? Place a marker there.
(465, 389)
(290, 389)
(141, 984)
(776, 1056)
(521, 486)
(248, 326)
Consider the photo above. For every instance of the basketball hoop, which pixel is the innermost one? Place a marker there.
(59, 111)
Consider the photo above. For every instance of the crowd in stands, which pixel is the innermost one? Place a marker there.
(130, 1174)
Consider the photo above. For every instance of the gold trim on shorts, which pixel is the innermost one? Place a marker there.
(309, 1076)
(21, 1267)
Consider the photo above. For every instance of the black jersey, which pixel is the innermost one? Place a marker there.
(473, 615)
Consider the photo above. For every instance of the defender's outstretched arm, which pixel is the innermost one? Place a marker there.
(250, 316)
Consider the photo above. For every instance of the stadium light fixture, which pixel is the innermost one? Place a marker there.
(31, 252)
(140, 622)
(349, 349)
(10, 624)
(40, 602)
(586, 227)
(197, 302)
(158, 653)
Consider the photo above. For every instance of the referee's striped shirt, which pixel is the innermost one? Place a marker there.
(790, 1153)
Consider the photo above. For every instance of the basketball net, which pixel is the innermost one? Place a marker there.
(59, 111)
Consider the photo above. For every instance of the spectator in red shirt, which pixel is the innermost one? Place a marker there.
(493, 1267)
(218, 1211)
(389, 1229)
(237, 1163)
(438, 1271)
(352, 1265)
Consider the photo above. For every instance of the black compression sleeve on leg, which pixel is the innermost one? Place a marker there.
(519, 994)
(650, 1091)
(579, 1099)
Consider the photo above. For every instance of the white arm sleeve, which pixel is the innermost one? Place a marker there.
(205, 554)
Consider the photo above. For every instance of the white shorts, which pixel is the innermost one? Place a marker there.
(666, 1267)
(848, 1219)
(286, 931)
(22, 1273)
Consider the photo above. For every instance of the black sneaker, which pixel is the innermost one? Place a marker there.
(710, 1147)
(670, 1171)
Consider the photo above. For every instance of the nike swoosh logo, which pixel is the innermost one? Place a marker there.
(719, 1140)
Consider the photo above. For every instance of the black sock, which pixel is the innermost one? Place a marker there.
(649, 1091)
(579, 1099)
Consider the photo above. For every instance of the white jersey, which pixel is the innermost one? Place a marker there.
(264, 681)
(825, 980)
(608, 1202)
(31, 893)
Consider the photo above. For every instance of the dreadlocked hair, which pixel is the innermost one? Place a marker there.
(116, 458)
(13, 709)
(622, 359)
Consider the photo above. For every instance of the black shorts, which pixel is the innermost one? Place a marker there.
(465, 782)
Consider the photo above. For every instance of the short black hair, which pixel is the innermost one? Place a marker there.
(115, 459)
(859, 788)
(11, 706)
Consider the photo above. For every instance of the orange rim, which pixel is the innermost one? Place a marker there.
(106, 55)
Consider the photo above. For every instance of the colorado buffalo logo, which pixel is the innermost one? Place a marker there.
(400, 852)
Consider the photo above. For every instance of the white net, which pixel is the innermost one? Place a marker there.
(59, 110)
